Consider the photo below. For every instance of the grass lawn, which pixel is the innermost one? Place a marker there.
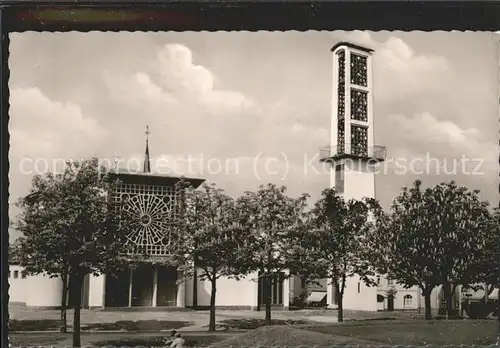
(34, 325)
(286, 336)
(39, 339)
(417, 332)
(122, 325)
(252, 323)
(157, 341)
(140, 325)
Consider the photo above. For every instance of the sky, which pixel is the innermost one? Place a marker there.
(243, 109)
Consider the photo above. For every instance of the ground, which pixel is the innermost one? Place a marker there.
(235, 326)
(197, 320)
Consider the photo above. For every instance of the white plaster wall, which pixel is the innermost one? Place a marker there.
(230, 292)
(17, 287)
(359, 180)
(399, 299)
(96, 290)
(295, 287)
(365, 299)
(36, 290)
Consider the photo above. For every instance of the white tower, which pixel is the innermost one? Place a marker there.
(352, 152)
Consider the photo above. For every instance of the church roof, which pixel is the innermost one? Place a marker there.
(141, 178)
(350, 45)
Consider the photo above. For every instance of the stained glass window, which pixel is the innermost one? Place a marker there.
(359, 141)
(151, 210)
(341, 85)
(341, 103)
(359, 105)
(359, 74)
(340, 136)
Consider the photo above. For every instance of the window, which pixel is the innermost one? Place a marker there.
(23, 274)
(359, 141)
(390, 281)
(339, 178)
(16, 274)
(359, 70)
(378, 280)
(359, 287)
(408, 301)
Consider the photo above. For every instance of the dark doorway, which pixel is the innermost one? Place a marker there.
(167, 286)
(72, 291)
(117, 289)
(276, 290)
(390, 303)
(142, 286)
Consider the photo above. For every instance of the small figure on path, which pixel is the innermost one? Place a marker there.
(178, 341)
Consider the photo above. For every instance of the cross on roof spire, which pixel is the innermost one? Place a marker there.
(147, 163)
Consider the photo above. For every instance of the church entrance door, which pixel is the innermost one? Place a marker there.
(142, 286)
(167, 286)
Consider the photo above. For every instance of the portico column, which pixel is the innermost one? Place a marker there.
(330, 295)
(286, 290)
(253, 280)
(130, 288)
(155, 286)
(181, 291)
(104, 291)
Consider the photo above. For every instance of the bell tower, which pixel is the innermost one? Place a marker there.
(352, 153)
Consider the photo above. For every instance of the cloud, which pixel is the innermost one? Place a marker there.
(43, 128)
(425, 131)
(400, 72)
(174, 70)
(44, 133)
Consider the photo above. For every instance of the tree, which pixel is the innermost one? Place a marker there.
(333, 246)
(432, 238)
(40, 222)
(70, 225)
(490, 267)
(462, 222)
(270, 219)
(210, 238)
(15, 252)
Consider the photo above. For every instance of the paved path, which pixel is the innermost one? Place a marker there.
(198, 319)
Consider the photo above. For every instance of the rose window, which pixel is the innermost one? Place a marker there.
(149, 218)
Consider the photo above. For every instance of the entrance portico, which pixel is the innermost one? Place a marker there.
(145, 285)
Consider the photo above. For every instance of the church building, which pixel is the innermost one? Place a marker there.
(152, 199)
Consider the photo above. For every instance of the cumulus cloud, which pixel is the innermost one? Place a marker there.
(44, 128)
(174, 70)
(400, 72)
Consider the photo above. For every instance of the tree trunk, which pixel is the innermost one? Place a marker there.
(427, 304)
(78, 279)
(211, 324)
(195, 288)
(340, 299)
(267, 298)
(64, 302)
(449, 290)
(340, 314)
